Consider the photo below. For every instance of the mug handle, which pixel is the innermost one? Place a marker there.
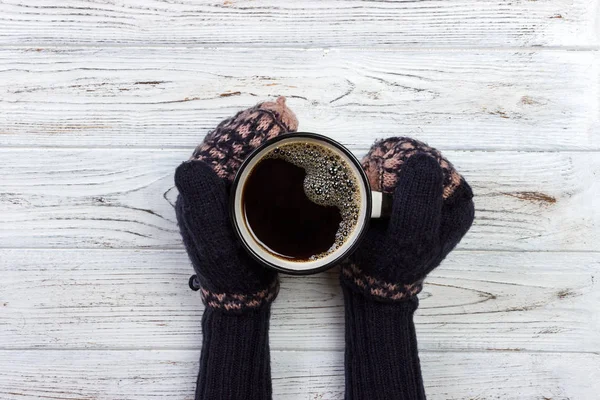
(381, 205)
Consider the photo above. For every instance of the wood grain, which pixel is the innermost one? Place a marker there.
(126, 299)
(101, 100)
(170, 98)
(314, 23)
(165, 374)
(111, 198)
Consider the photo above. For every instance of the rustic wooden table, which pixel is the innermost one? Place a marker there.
(100, 101)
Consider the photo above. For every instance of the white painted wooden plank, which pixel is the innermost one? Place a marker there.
(166, 374)
(272, 23)
(493, 100)
(123, 198)
(125, 299)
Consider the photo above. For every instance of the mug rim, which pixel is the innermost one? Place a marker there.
(334, 261)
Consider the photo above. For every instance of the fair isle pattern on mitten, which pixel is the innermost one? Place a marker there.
(378, 289)
(226, 147)
(240, 302)
(384, 161)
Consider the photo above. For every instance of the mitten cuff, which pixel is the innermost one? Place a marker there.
(377, 289)
(235, 361)
(240, 303)
(381, 359)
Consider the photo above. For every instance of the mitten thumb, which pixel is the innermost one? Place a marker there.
(417, 206)
(203, 200)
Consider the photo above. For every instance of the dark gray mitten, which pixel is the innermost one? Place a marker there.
(237, 291)
(432, 210)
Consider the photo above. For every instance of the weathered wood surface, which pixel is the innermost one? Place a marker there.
(100, 101)
(123, 198)
(171, 374)
(314, 23)
(148, 97)
(126, 299)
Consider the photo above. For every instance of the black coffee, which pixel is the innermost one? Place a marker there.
(301, 201)
(282, 217)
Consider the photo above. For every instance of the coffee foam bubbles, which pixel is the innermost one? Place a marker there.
(329, 181)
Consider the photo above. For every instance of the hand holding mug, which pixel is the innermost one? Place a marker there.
(236, 290)
(432, 210)
(229, 278)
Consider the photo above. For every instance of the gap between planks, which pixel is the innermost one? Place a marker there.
(497, 49)
(178, 249)
(295, 350)
(360, 150)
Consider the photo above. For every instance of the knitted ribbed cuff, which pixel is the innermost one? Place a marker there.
(235, 360)
(381, 359)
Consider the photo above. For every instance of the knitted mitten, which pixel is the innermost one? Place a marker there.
(225, 148)
(432, 211)
(236, 291)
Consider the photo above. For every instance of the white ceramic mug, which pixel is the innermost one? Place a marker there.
(372, 205)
